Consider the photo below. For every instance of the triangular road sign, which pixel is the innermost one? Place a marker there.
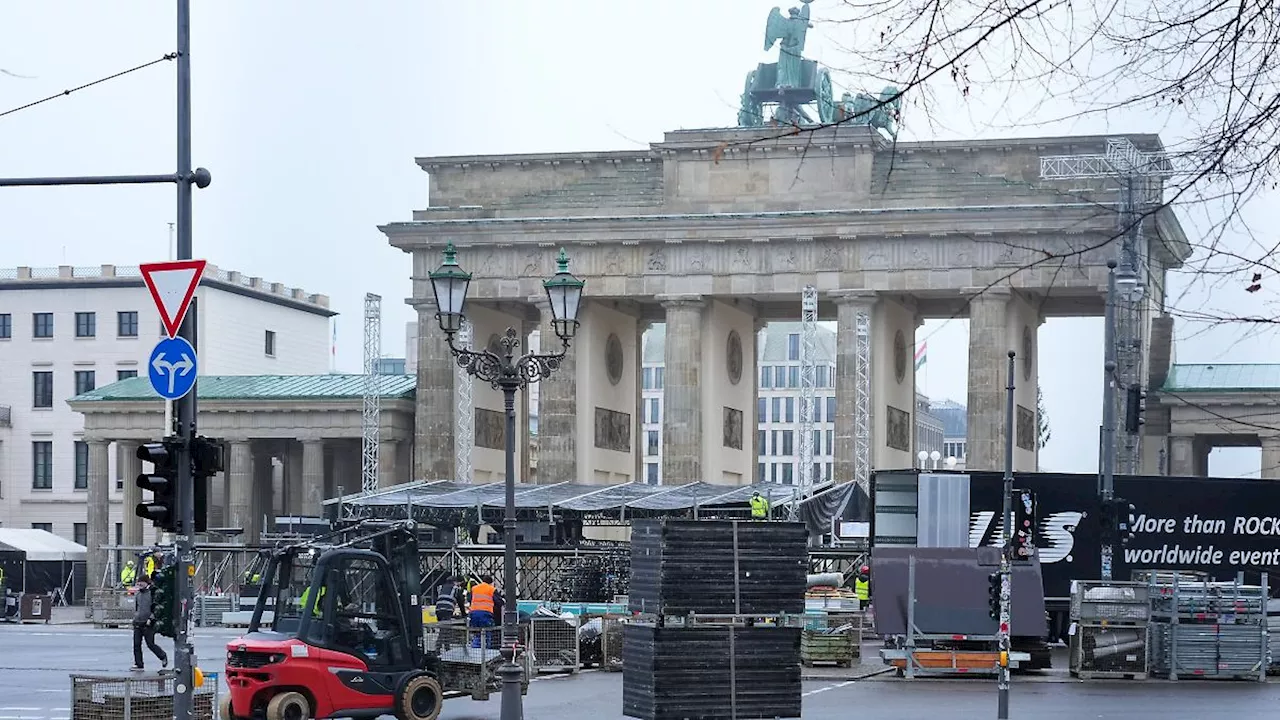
(172, 285)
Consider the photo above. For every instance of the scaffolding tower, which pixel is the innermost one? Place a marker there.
(808, 386)
(372, 407)
(862, 400)
(1140, 177)
(465, 418)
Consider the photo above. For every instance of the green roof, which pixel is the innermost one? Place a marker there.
(260, 387)
(1223, 377)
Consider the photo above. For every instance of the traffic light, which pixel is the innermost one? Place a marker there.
(164, 592)
(206, 458)
(1107, 520)
(1126, 516)
(1024, 524)
(993, 595)
(162, 511)
(1135, 406)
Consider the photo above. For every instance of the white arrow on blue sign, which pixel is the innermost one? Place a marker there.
(172, 368)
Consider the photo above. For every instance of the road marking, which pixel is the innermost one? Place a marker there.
(15, 708)
(829, 687)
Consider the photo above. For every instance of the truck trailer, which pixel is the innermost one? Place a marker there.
(1219, 526)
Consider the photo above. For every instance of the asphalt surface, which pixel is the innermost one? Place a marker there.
(36, 660)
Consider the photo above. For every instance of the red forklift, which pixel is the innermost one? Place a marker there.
(337, 632)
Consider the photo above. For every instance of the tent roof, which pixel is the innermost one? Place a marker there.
(569, 496)
(41, 545)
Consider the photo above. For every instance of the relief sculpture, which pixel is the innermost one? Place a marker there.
(732, 428)
(613, 430)
(613, 263)
(1026, 429)
(657, 261)
(491, 429)
(897, 429)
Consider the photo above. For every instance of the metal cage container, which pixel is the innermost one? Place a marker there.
(1109, 651)
(1124, 602)
(554, 643)
(140, 697)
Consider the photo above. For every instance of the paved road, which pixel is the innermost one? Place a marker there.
(36, 660)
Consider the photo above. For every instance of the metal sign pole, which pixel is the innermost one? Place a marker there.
(1006, 553)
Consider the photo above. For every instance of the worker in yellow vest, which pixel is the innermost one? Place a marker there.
(128, 574)
(862, 585)
(315, 607)
(151, 564)
(759, 507)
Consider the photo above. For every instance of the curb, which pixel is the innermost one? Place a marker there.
(851, 677)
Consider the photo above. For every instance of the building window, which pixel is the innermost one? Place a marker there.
(6, 326)
(86, 324)
(793, 346)
(773, 472)
(651, 473)
(658, 378)
(762, 442)
(788, 474)
(817, 473)
(777, 410)
(793, 376)
(654, 416)
(780, 376)
(86, 381)
(766, 377)
(82, 465)
(270, 345)
(647, 378)
(42, 389)
(817, 444)
(762, 409)
(127, 323)
(759, 472)
(47, 527)
(125, 374)
(42, 325)
(119, 533)
(831, 409)
(821, 376)
(651, 444)
(830, 443)
(791, 409)
(42, 465)
(788, 442)
(80, 533)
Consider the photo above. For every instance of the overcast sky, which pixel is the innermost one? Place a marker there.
(309, 115)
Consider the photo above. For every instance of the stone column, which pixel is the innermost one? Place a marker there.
(313, 476)
(682, 393)
(988, 367)
(130, 469)
(557, 411)
(1182, 455)
(850, 304)
(1270, 457)
(293, 479)
(261, 500)
(239, 485)
(754, 349)
(387, 462)
(99, 511)
(638, 431)
(434, 448)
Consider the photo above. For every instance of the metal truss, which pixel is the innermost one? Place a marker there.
(808, 386)
(1140, 177)
(464, 417)
(372, 408)
(862, 400)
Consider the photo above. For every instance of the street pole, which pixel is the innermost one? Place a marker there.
(184, 177)
(1006, 553)
(1106, 478)
(510, 672)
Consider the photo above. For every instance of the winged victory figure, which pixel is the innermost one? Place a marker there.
(789, 32)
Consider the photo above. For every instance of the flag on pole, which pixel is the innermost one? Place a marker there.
(921, 353)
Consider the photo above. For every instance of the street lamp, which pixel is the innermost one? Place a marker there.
(923, 456)
(952, 462)
(935, 456)
(509, 373)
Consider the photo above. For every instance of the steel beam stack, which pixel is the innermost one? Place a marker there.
(1110, 638)
(720, 608)
(1209, 629)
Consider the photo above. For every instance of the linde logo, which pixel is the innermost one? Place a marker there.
(1055, 536)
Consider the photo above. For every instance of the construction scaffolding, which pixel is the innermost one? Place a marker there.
(372, 408)
(808, 386)
(464, 417)
(1140, 177)
(862, 400)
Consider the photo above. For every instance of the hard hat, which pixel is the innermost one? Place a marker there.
(864, 569)
(130, 563)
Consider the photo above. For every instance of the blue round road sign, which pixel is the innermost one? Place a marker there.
(172, 368)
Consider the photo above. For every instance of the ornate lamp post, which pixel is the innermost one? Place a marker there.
(508, 373)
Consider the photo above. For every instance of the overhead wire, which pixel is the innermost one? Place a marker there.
(65, 93)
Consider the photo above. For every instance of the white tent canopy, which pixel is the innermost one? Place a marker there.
(42, 546)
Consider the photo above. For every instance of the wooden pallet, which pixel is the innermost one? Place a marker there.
(843, 649)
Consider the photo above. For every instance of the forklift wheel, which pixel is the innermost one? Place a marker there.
(289, 706)
(419, 698)
(224, 708)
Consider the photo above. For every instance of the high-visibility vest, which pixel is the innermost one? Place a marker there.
(315, 609)
(759, 507)
(128, 575)
(482, 598)
(861, 589)
(150, 566)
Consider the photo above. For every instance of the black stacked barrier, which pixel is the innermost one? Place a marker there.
(713, 638)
